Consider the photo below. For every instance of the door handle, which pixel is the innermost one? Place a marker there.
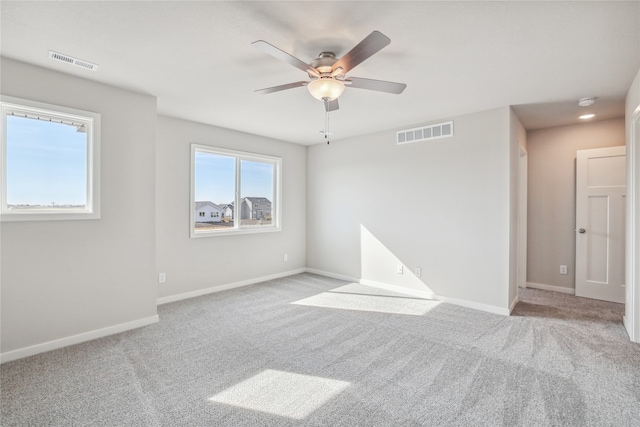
(581, 230)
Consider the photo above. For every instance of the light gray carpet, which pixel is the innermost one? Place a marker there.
(308, 350)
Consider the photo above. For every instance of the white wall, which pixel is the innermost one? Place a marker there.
(632, 308)
(199, 265)
(551, 212)
(64, 280)
(440, 205)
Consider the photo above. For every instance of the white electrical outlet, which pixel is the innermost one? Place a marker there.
(563, 269)
(399, 269)
(418, 272)
(162, 277)
(286, 257)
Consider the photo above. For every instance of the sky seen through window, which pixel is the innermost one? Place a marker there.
(46, 163)
(215, 178)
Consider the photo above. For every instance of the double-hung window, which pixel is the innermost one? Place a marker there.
(244, 186)
(49, 162)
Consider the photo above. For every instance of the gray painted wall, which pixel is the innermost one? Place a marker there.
(440, 205)
(201, 263)
(357, 207)
(551, 204)
(65, 278)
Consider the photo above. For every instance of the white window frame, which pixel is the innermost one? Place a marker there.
(91, 121)
(276, 204)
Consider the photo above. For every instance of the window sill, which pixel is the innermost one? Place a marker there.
(210, 233)
(47, 215)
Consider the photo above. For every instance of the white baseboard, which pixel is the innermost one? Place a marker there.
(76, 339)
(227, 286)
(332, 275)
(513, 304)
(553, 288)
(422, 294)
(413, 292)
(431, 295)
(99, 333)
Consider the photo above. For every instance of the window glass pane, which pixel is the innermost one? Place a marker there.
(256, 193)
(233, 192)
(214, 186)
(46, 165)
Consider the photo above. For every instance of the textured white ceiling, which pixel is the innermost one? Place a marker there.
(455, 57)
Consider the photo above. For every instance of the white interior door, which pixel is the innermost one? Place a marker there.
(600, 223)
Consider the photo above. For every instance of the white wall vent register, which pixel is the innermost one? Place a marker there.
(73, 61)
(425, 133)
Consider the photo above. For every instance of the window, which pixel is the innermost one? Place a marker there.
(245, 186)
(49, 165)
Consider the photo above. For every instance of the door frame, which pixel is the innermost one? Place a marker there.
(523, 176)
(631, 319)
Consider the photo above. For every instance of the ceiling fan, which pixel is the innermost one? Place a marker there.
(328, 73)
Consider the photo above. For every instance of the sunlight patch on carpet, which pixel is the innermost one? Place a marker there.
(281, 393)
(365, 298)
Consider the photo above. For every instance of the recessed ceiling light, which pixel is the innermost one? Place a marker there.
(585, 102)
(587, 116)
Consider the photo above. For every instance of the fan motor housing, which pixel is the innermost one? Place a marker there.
(324, 62)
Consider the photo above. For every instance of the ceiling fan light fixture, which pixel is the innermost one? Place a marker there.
(326, 88)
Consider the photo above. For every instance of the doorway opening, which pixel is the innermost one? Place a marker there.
(547, 255)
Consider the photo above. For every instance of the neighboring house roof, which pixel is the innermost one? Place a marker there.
(258, 199)
(200, 205)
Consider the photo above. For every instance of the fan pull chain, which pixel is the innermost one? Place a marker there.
(326, 126)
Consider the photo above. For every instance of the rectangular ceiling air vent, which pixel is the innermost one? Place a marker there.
(73, 61)
(425, 133)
